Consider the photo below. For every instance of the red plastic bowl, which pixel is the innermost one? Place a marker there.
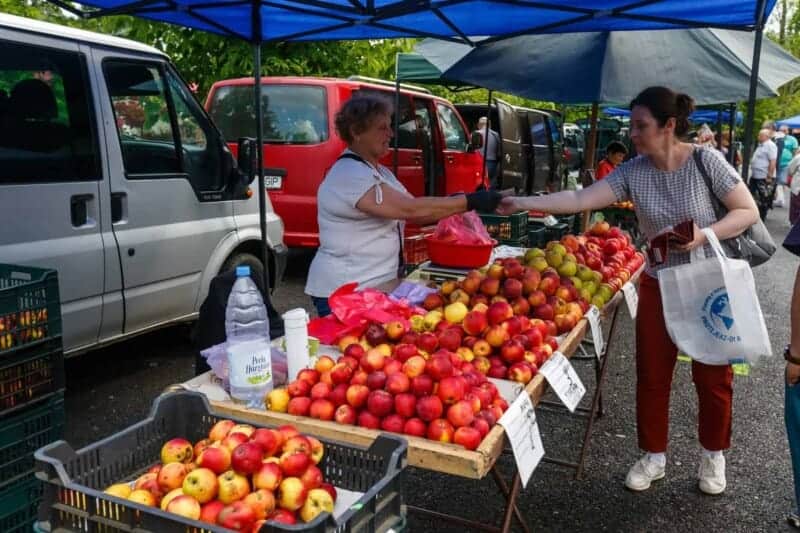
(459, 255)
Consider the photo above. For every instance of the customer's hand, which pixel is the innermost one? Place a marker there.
(483, 201)
(698, 240)
(792, 373)
(510, 205)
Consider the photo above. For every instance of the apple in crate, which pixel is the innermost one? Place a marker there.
(171, 495)
(294, 463)
(120, 490)
(297, 443)
(262, 502)
(317, 450)
(282, 516)
(177, 451)
(185, 506)
(269, 477)
(267, 439)
(246, 458)
(312, 478)
(232, 487)
(220, 430)
(201, 484)
(291, 494)
(318, 501)
(238, 516)
(171, 476)
(143, 497)
(210, 511)
(468, 437)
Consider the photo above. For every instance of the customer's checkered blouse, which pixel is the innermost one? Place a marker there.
(663, 199)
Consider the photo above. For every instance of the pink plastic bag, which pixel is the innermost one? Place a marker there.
(464, 228)
(352, 311)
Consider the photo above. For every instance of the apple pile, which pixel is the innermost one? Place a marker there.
(22, 327)
(399, 387)
(239, 478)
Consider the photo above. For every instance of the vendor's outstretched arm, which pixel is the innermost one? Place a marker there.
(597, 196)
(398, 206)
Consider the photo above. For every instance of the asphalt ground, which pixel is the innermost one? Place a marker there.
(109, 389)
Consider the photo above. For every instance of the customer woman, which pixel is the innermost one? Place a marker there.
(362, 207)
(667, 188)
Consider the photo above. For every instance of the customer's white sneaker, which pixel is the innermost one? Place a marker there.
(712, 474)
(643, 473)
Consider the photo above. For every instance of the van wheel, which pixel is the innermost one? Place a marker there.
(241, 259)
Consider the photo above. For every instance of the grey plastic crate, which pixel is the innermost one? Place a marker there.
(74, 481)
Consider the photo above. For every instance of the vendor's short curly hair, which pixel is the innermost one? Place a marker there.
(357, 114)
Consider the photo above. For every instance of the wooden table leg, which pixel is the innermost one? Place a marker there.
(512, 503)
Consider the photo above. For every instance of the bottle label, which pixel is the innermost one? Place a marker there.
(250, 363)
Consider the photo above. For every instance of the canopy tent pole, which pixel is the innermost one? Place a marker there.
(751, 101)
(731, 126)
(262, 193)
(718, 136)
(395, 155)
(486, 139)
(589, 155)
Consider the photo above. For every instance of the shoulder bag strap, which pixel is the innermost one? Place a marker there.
(719, 209)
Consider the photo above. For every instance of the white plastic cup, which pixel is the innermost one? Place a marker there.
(295, 323)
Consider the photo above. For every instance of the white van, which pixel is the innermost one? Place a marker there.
(113, 174)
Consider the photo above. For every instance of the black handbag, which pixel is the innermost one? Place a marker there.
(755, 244)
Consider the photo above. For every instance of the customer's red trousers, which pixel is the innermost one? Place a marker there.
(656, 355)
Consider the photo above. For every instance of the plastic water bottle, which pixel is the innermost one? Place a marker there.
(247, 330)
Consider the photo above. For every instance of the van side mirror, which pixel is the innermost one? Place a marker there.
(247, 158)
(475, 141)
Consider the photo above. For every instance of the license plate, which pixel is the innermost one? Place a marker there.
(273, 182)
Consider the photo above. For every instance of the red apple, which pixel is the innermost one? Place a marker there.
(294, 463)
(414, 366)
(246, 458)
(429, 408)
(397, 383)
(299, 406)
(394, 423)
(439, 367)
(269, 477)
(468, 437)
(415, 427)
(428, 342)
(322, 409)
(320, 391)
(368, 420)
(380, 403)
(376, 380)
(215, 458)
(460, 414)
(345, 414)
(405, 405)
(451, 390)
(403, 352)
(357, 395)
(499, 312)
(440, 430)
(422, 385)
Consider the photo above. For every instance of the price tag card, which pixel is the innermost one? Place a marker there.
(509, 390)
(631, 298)
(593, 315)
(550, 220)
(564, 380)
(522, 429)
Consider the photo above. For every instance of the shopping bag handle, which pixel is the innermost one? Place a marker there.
(698, 254)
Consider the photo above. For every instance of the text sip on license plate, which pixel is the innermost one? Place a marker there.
(273, 182)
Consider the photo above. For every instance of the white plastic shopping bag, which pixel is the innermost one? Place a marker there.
(711, 308)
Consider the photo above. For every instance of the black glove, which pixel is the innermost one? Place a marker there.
(483, 201)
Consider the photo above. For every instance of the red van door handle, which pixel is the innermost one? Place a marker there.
(451, 159)
(417, 160)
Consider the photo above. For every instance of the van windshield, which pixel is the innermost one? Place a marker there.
(293, 114)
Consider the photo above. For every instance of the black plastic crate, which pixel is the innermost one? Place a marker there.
(519, 243)
(30, 309)
(73, 498)
(30, 374)
(18, 505)
(507, 227)
(24, 432)
(537, 236)
(556, 231)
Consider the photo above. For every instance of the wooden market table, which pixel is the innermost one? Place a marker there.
(452, 459)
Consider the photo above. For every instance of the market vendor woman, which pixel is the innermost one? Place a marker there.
(667, 187)
(362, 207)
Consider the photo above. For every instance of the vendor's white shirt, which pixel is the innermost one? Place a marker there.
(764, 154)
(354, 246)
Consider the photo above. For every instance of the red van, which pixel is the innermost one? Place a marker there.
(434, 155)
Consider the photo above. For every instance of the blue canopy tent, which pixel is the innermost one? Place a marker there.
(260, 21)
(792, 122)
(698, 117)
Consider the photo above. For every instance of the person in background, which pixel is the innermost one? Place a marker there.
(786, 145)
(362, 207)
(794, 187)
(763, 166)
(615, 155)
(791, 354)
(492, 149)
(667, 187)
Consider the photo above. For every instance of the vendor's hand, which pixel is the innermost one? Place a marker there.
(792, 373)
(483, 201)
(699, 240)
(510, 205)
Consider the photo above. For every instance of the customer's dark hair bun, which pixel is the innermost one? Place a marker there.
(664, 103)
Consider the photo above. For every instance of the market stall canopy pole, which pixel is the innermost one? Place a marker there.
(262, 192)
(589, 156)
(751, 100)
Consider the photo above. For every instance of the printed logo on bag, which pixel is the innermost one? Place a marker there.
(717, 317)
